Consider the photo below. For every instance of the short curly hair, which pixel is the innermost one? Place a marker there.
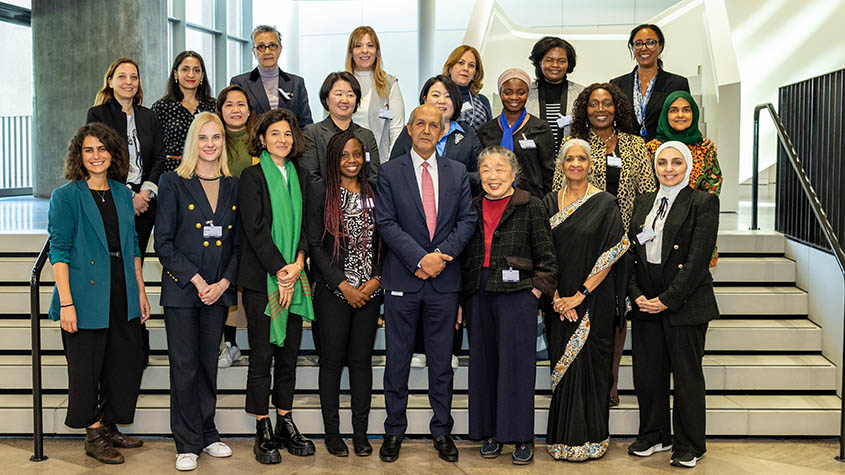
(75, 168)
(622, 115)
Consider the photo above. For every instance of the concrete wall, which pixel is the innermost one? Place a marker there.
(73, 45)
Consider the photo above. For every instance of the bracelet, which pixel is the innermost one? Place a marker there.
(298, 266)
(68, 305)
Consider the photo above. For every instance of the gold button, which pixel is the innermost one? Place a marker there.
(675, 247)
(229, 227)
(92, 282)
(199, 225)
(234, 207)
(205, 243)
(191, 206)
(680, 266)
(92, 262)
(219, 243)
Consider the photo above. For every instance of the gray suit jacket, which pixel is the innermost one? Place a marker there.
(290, 83)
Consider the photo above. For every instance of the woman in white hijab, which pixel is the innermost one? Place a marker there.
(673, 234)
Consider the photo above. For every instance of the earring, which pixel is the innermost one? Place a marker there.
(614, 123)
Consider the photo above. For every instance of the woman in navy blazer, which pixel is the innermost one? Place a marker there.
(99, 291)
(197, 239)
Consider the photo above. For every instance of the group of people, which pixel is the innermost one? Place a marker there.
(589, 205)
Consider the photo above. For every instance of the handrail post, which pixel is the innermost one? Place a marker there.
(755, 164)
(35, 314)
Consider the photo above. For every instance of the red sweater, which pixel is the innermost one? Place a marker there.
(491, 212)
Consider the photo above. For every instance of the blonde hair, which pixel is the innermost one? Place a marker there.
(106, 93)
(379, 76)
(478, 80)
(190, 155)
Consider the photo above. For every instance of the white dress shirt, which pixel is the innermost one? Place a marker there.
(432, 170)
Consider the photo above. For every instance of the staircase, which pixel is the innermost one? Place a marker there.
(763, 365)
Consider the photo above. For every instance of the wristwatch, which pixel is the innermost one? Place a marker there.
(583, 290)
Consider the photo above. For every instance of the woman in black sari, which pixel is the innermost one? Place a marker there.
(589, 238)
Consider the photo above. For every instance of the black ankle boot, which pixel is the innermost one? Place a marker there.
(265, 449)
(287, 435)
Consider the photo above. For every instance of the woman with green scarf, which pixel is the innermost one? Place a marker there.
(276, 294)
(678, 121)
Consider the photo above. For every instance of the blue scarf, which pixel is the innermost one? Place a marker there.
(507, 132)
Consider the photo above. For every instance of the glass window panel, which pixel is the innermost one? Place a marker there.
(235, 17)
(169, 7)
(234, 58)
(200, 12)
(202, 43)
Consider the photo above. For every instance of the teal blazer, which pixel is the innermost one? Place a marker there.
(78, 238)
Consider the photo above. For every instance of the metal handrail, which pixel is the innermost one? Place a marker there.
(818, 211)
(35, 314)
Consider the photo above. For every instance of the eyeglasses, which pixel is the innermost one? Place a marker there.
(648, 43)
(262, 47)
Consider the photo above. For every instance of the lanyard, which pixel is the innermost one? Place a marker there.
(642, 100)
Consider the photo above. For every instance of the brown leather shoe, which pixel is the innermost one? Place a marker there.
(119, 439)
(97, 445)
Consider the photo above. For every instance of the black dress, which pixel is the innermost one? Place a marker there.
(588, 237)
(117, 295)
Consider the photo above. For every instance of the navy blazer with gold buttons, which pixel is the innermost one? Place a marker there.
(183, 212)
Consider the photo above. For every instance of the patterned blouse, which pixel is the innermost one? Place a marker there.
(358, 262)
(636, 176)
(175, 120)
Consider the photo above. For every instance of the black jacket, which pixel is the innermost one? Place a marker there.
(522, 241)
(183, 210)
(290, 83)
(665, 84)
(684, 283)
(321, 245)
(318, 135)
(538, 163)
(259, 255)
(149, 134)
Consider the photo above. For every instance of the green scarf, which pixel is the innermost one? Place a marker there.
(286, 203)
(665, 132)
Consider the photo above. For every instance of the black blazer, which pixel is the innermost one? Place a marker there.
(149, 134)
(665, 84)
(183, 210)
(684, 283)
(290, 83)
(321, 244)
(259, 255)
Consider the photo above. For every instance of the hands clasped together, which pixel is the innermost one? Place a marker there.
(432, 264)
(566, 306)
(209, 293)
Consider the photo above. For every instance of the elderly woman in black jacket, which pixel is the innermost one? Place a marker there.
(674, 233)
(507, 265)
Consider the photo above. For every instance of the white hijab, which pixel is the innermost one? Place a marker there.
(666, 195)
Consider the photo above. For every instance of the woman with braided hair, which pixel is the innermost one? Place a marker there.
(344, 247)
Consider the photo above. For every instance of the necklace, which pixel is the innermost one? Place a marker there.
(101, 194)
(207, 179)
(563, 195)
(609, 137)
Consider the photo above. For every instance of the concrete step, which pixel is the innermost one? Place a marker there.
(726, 415)
(722, 373)
(723, 335)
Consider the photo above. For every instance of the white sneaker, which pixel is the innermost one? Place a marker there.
(454, 362)
(218, 449)
(186, 462)
(225, 358)
(418, 361)
(235, 352)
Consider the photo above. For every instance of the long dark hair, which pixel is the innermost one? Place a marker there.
(171, 88)
(622, 116)
(333, 215)
(661, 40)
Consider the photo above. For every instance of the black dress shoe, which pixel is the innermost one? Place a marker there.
(361, 445)
(446, 448)
(336, 446)
(288, 436)
(389, 450)
(265, 449)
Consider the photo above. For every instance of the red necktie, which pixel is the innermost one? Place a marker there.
(428, 200)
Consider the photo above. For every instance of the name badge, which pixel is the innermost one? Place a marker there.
(385, 114)
(527, 144)
(614, 161)
(510, 275)
(286, 95)
(646, 236)
(394, 293)
(367, 157)
(563, 121)
(369, 203)
(466, 107)
(211, 231)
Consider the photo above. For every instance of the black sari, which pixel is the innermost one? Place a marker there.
(588, 237)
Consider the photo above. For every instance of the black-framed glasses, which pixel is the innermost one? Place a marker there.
(262, 47)
(650, 43)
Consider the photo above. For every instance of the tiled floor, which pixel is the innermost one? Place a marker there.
(770, 457)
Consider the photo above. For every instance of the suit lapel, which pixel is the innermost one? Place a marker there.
(411, 181)
(119, 204)
(196, 191)
(224, 197)
(655, 102)
(256, 86)
(638, 223)
(677, 216)
(442, 185)
(91, 211)
(285, 85)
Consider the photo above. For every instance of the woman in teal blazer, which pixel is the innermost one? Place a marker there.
(99, 294)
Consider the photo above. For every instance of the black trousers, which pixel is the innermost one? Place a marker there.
(348, 335)
(193, 337)
(263, 355)
(144, 228)
(502, 364)
(104, 369)
(658, 349)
